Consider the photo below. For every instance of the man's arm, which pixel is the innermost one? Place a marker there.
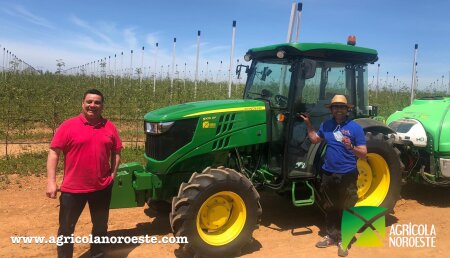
(312, 134)
(115, 162)
(359, 151)
(52, 164)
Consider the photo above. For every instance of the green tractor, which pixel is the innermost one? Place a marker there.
(209, 159)
(423, 137)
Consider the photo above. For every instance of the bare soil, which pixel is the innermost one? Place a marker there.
(285, 231)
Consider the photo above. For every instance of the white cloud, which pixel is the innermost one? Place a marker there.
(130, 38)
(88, 43)
(43, 56)
(151, 39)
(85, 25)
(21, 12)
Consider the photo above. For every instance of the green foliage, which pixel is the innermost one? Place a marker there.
(24, 164)
(389, 101)
(33, 106)
(44, 101)
(35, 163)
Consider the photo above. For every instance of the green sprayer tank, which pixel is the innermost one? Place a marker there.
(423, 134)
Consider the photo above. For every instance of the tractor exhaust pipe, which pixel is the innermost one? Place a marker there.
(291, 23)
(299, 17)
(299, 7)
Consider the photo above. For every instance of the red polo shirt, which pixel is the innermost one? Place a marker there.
(87, 152)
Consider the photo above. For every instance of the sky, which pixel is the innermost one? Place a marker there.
(80, 32)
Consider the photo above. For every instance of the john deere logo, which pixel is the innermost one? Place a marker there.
(363, 226)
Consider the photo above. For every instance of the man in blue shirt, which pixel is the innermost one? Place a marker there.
(345, 144)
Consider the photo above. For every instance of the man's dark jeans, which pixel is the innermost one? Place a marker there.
(340, 193)
(71, 206)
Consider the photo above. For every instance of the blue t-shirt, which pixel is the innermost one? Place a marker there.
(337, 158)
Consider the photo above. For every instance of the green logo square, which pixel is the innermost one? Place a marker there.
(369, 221)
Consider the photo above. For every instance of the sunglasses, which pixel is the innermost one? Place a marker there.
(339, 106)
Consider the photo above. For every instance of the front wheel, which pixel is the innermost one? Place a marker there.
(379, 181)
(217, 211)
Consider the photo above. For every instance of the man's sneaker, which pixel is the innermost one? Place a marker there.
(341, 251)
(325, 242)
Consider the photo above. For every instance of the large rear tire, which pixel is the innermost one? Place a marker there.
(217, 211)
(380, 175)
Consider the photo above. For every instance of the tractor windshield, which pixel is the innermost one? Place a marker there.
(333, 78)
(269, 80)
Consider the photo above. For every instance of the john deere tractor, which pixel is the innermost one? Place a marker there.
(423, 137)
(209, 159)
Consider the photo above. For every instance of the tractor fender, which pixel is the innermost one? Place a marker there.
(374, 126)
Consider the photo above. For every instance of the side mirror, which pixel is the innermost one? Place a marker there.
(238, 70)
(309, 68)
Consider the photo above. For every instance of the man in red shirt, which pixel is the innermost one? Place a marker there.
(91, 146)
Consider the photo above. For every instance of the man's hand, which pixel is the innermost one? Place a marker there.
(347, 143)
(52, 163)
(306, 118)
(52, 190)
(113, 175)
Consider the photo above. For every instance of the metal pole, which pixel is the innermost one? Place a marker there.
(115, 71)
(184, 77)
(387, 79)
(154, 73)
(218, 72)
(173, 66)
(413, 81)
(291, 23)
(109, 67)
(231, 59)
(448, 89)
(299, 17)
(131, 65)
(288, 40)
(196, 65)
(3, 67)
(121, 66)
(142, 67)
(206, 75)
(378, 81)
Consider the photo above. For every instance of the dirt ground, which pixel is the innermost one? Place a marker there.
(285, 231)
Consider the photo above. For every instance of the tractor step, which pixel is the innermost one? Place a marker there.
(303, 202)
(300, 174)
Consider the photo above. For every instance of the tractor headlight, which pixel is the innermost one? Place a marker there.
(157, 128)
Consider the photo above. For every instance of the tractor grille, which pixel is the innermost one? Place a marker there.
(221, 143)
(161, 146)
(225, 123)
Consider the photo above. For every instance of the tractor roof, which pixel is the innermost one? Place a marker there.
(323, 51)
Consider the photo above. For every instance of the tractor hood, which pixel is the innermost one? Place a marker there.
(433, 113)
(200, 108)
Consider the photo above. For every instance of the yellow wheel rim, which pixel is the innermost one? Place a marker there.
(373, 180)
(221, 218)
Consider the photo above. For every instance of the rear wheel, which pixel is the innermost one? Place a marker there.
(379, 180)
(217, 211)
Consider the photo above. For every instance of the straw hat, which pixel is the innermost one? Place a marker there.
(338, 100)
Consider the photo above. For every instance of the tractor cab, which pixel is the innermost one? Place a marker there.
(294, 78)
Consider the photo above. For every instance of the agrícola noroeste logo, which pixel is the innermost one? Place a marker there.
(366, 226)
(369, 221)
